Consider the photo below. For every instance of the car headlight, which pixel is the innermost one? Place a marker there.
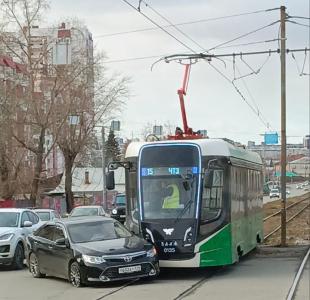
(6, 236)
(93, 259)
(151, 253)
(114, 211)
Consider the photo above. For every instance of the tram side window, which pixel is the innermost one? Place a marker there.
(212, 198)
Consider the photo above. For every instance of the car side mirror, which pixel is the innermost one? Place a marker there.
(208, 180)
(110, 182)
(27, 224)
(62, 242)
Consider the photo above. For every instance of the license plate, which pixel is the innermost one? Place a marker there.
(123, 216)
(129, 269)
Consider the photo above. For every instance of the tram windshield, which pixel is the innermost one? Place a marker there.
(169, 181)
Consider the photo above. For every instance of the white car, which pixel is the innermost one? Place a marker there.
(274, 193)
(15, 225)
(87, 210)
(47, 214)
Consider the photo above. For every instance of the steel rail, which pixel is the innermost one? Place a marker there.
(292, 290)
(195, 286)
(279, 211)
(117, 289)
(290, 219)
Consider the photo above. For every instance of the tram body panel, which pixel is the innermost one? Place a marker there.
(213, 241)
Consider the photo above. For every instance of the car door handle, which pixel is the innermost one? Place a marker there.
(50, 247)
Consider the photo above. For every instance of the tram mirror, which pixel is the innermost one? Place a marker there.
(113, 166)
(110, 182)
(208, 181)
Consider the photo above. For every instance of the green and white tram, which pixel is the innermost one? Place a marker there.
(199, 201)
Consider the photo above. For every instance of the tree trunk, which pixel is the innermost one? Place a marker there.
(38, 169)
(68, 182)
(4, 175)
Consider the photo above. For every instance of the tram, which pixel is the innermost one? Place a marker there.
(198, 201)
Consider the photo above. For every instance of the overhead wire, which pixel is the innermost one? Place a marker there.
(300, 71)
(250, 43)
(174, 26)
(267, 125)
(208, 61)
(153, 22)
(184, 23)
(254, 102)
(297, 23)
(243, 35)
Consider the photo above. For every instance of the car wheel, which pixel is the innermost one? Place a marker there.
(75, 275)
(18, 260)
(34, 266)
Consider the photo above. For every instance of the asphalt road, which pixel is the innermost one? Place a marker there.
(264, 274)
(293, 193)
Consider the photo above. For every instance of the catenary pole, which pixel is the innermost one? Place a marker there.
(283, 125)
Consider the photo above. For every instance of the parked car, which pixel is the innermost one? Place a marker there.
(15, 225)
(90, 210)
(85, 250)
(47, 214)
(274, 193)
(119, 208)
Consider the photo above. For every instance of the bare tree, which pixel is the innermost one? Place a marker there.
(95, 102)
(46, 83)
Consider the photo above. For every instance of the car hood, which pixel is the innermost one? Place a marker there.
(116, 246)
(4, 230)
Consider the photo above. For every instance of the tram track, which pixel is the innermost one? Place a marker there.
(189, 291)
(293, 211)
(292, 291)
(118, 289)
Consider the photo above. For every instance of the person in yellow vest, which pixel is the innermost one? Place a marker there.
(172, 200)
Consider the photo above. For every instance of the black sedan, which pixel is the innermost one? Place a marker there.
(85, 250)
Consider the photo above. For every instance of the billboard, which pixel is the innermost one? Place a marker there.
(271, 138)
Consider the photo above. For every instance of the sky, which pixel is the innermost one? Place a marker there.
(212, 102)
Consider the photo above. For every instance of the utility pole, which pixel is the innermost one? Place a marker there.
(283, 125)
(104, 194)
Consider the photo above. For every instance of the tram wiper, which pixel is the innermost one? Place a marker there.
(189, 179)
(183, 211)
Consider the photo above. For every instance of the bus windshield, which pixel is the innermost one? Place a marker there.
(169, 181)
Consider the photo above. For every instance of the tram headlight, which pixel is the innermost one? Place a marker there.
(151, 253)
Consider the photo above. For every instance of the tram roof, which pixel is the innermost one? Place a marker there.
(209, 147)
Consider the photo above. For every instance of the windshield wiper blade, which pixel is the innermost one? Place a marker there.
(183, 211)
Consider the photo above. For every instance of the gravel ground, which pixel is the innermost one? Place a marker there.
(298, 230)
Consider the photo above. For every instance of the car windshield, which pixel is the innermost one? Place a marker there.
(97, 231)
(84, 211)
(120, 200)
(44, 216)
(274, 191)
(9, 219)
